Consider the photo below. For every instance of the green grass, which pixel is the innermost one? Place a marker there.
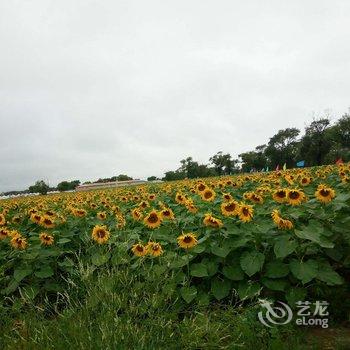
(115, 310)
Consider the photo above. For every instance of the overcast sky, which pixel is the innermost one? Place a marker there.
(93, 89)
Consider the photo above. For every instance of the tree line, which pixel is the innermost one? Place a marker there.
(321, 143)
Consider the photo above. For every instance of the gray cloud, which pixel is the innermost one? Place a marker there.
(91, 89)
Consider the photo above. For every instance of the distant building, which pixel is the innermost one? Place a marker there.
(100, 185)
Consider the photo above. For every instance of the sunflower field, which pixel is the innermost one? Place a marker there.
(284, 235)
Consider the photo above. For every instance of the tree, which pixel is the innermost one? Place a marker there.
(174, 175)
(39, 187)
(283, 147)
(316, 143)
(123, 177)
(223, 163)
(193, 169)
(152, 178)
(68, 186)
(339, 137)
(254, 159)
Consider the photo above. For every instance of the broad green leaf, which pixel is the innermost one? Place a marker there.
(276, 269)
(252, 262)
(13, 285)
(327, 274)
(212, 267)
(220, 288)
(220, 251)
(180, 261)
(198, 249)
(188, 293)
(203, 299)
(21, 273)
(233, 272)
(199, 270)
(313, 235)
(275, 284)
(45, 272)
(100, 259)
(63, 240)
(305, 271)
(247, 290)
(284, 246)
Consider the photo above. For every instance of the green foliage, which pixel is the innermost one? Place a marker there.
(68, 185)
(39, 187)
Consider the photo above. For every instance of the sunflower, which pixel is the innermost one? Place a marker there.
(280, 195)
(191, 207)
(154, 249)
(227, 197)
(100, 234)
(47, 222)
(139, 249)
(79, 212)
(18, 242)
(180, 198)
(46, 239)
(305, 180)
(281, 223)
(208, 195)
(121, 221)
(34, 217)
(153, 219)
(144, 205)
(136, 214)
(187, 240)
(245, 212)
(256, 198)
(2, 220)
(167, 214)
(229, 208)
(101, 215)
(4, 233)
(295, 197)
(152, 197)
(324, 194)
(201, 187)
(211, 221)
(16, 219)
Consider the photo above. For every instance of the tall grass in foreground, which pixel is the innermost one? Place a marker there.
(115, 310)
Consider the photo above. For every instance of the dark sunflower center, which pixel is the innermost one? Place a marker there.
(230, 207)
(324, 193)
(153, 218)
(187, 239)
(101, 234)
(245, 211)
(294, 195)
(139, 248)
(201, 187)
(281, 194)
(208, 194)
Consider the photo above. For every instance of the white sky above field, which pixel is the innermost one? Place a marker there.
(93, 89)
